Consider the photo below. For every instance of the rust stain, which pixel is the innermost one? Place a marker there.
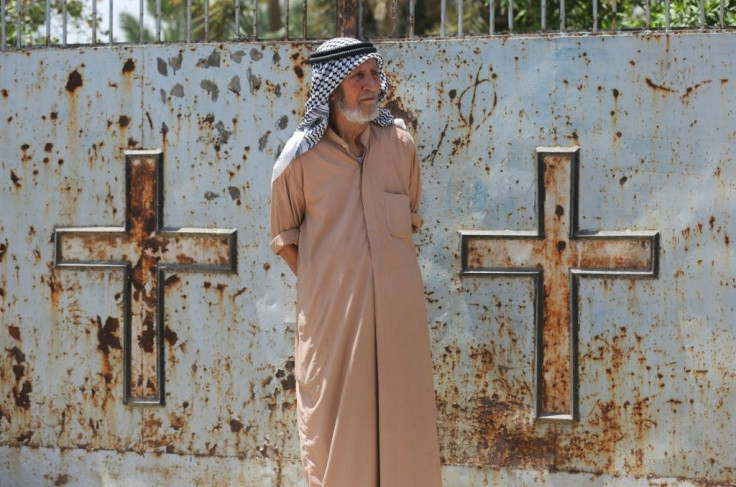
(170, 336)
(15, 179)
(235, 426)
(480, 430)
(17, 355)
(184, 259)
(129, 66)
(395, 106)
(107, 335)
(74, 81)
(288, 381)
(22, 395)
(657, 87)
(62, 479)
(24, 438)
(14, 332)
(147, 334)
(691, 89)
(172, 280)
(505, 438)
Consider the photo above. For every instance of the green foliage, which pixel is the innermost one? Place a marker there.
(220, 20)
(174, 21)
(378, 18)
(687, 14)
(33, 21)
(578, 15)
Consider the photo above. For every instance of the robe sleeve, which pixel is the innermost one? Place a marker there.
(287, 207)
(415, 192)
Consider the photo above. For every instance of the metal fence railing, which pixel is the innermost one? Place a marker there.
(27, 23)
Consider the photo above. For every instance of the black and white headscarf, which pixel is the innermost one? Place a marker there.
(331, 63)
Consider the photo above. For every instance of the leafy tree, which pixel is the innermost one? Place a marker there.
(685, 13)
(527, 15)
(33, 21)
(220, 25)
(378, 18)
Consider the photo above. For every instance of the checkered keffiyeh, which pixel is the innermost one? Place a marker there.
(331, 63)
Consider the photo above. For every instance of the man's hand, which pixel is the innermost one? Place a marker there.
(290, 253)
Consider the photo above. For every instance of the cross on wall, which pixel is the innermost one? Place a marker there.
(555, 256)
(144, 250)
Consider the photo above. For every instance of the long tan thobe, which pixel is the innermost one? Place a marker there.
(365, 393)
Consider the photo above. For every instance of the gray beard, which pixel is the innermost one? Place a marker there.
(355, 115)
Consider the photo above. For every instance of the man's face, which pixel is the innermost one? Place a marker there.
(357, 96)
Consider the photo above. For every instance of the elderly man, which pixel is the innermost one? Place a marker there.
(345, 193)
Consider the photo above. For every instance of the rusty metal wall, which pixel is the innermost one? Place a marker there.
(646, 395)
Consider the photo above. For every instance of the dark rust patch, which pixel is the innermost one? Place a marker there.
(3, 250)
(184, 259)
(170, 336)
(147, 337)
(24, 438)
(14, 332)
(657, 87)
(128, 66)
(61, 479)
(124, 121)
(107, 335)
(172, 280)
(74, 82)
(235, 426)
(288, 383)
(22, 396)
(18, 356)
(15, 179)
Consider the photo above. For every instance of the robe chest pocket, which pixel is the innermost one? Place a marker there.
(398, 214)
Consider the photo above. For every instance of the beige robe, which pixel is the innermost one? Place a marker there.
(365, 392)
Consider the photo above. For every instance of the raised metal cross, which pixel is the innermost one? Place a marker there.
(144, 250)
(555, 256)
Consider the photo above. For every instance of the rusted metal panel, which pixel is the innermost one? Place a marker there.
(555, 256)
(144, 249)
(652, 119)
